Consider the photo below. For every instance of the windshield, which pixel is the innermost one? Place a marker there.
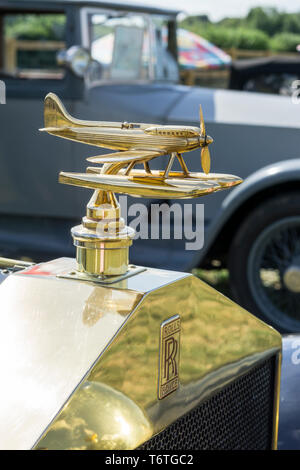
(130, 47)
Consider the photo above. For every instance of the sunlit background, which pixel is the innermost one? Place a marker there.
(218, 9)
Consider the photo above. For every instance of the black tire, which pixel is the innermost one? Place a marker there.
(263, 262)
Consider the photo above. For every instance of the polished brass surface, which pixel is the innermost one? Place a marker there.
(102, 241)
(81, 332)
(140, 184)
(52, 331)
(118, 424)
(136, 143)
(139, 142)
(81, 349)
(205, 154)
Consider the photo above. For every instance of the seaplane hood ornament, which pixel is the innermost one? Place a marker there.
(138, 142)
(135, 143)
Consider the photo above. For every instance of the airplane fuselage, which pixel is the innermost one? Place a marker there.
(136, 142)
(129, 139)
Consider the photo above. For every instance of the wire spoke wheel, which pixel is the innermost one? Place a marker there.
(264, 262)
(272, 255)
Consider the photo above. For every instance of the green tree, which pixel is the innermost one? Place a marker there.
(34, 26)
(240, 38)
(290, 24)
(264, 19)
(262, 28)
(231, 22)
(285, 42)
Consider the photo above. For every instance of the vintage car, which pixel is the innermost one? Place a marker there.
(119, 62)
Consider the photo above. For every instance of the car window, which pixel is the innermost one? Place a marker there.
(120, 45)
(29, 43)
(130, 46)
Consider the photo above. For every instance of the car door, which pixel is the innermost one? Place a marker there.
(29, 161)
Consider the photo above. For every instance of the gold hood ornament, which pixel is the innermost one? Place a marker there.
(103, 240)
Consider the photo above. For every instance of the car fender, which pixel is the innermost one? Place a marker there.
(289, 410)
(265, 178)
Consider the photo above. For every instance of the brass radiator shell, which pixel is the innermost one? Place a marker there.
(81, 359)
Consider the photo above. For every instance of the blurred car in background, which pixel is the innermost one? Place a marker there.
(275, 74)
(60, 46)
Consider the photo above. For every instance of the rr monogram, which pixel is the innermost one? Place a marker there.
(169, 356)
(171, 348)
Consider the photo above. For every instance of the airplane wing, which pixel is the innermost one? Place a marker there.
(177, 186)
(127, 156)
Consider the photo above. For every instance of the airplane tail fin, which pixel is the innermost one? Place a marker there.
(55, 114)
(57, 118)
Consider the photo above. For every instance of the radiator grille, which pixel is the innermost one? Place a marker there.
(238, 417)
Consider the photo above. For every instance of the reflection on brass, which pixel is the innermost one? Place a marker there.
(84, 425)
(108, 301)
(102, 240)
(169, 353)
(52, 332)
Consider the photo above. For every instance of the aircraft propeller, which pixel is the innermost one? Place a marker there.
(205, 154)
